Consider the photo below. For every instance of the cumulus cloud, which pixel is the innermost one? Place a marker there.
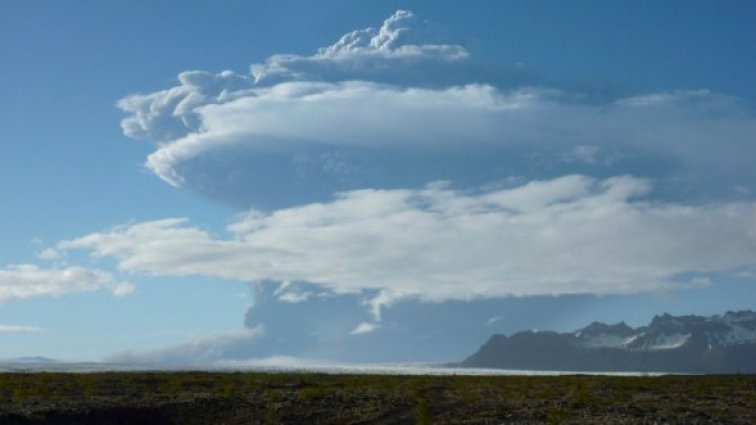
(566, 235)
(402, 104)
(396, 89)
(169, 114)
(22, 281)
(403, 50)
(368, 54)
(222, 346)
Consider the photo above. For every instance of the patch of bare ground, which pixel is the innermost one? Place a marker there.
(254, 398)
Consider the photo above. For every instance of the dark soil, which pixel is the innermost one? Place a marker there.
(254, 398)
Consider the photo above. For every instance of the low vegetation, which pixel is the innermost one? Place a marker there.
(258, 398)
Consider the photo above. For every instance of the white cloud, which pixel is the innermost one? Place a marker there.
(493, 320)
(19, 328)
(384, 54)
(567, 235)
(365, 328)
(294, 297)
(48, 254)
(700, 130)
(352, 95)
(22, 281)
(221, 346)
(288, 292)
(169, 114)
(398, 87)
(585, 153)
(402, 88)
(124, 288)
(403, 50)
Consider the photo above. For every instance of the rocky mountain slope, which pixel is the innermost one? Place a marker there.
(690, 344)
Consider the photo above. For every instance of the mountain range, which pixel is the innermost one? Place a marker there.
(677, 344)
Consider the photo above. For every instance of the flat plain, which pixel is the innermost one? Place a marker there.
(230, 398)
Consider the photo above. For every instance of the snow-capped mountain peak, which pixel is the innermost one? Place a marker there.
(668, 332)
(715, 344)
(598, 334)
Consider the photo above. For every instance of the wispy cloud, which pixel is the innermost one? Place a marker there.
(289, 293)
(364, 328)
(562, 236)
(19, 328)
(221, 346)
(493, 320)
(22, 281)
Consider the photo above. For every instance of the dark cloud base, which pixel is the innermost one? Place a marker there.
(442, 332)
(278, 179)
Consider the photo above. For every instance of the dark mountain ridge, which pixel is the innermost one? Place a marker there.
(682, 344)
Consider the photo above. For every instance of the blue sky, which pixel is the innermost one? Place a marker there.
(236, 180)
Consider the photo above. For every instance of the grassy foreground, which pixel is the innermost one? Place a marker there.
(259, 398)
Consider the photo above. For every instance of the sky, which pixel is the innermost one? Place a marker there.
(385, 181)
